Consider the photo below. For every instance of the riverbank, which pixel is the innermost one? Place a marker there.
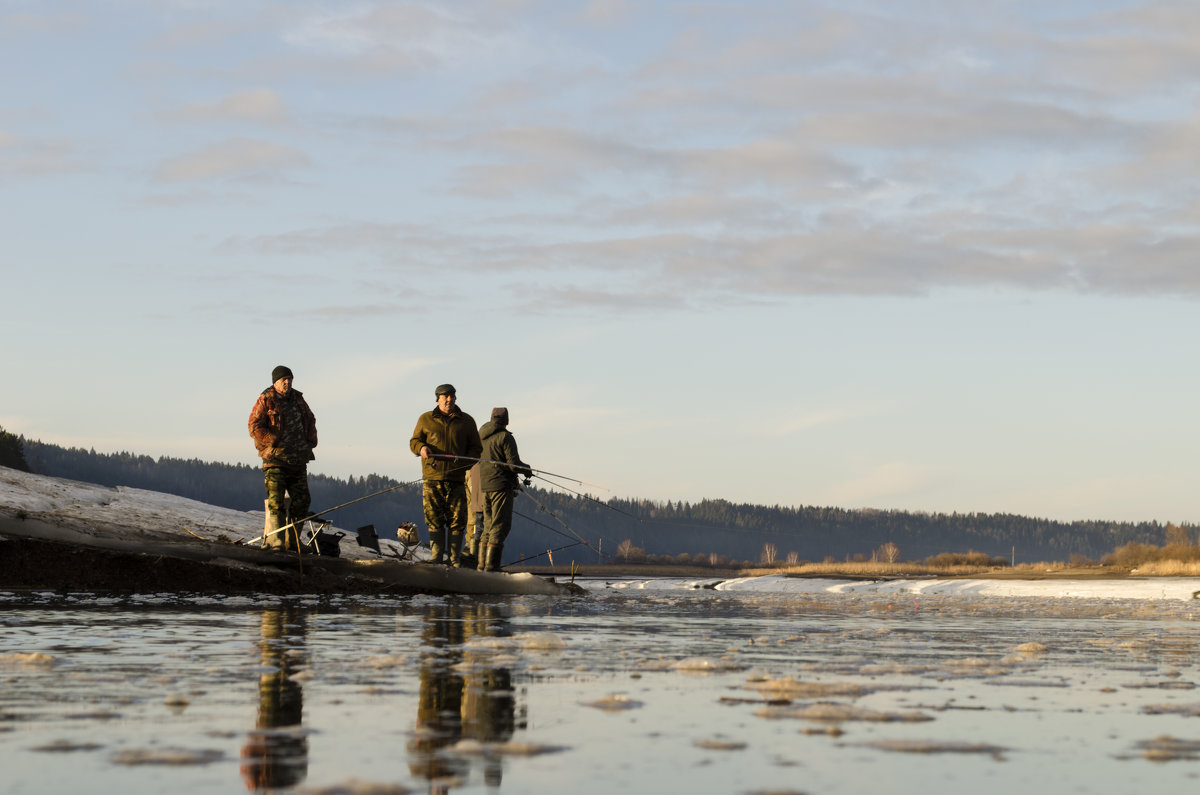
(64, 535)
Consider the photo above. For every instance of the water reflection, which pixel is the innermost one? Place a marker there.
(276, 751)
(464, 693)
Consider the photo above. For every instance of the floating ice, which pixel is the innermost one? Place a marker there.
(28, 660)
(614, 703)
(838, 713)
(166, 756)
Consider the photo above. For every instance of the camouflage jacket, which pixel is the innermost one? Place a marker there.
(501, 463)
(284, 429)
(452, 434)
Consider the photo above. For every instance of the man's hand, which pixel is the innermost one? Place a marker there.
(425, 451)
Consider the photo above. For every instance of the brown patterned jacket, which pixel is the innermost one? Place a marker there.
(267, 431)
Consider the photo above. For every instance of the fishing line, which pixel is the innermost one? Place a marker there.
(516, 467)
(331, 510)
(593, 499)
(542, 554)
(575, 535)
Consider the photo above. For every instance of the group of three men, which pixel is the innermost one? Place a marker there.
(447, 440)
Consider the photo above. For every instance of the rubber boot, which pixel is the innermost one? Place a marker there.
(470, 552)
(455, 548)
(271, 539)
(481, 565)
(493, 558)
(291, 536)
(435, 546)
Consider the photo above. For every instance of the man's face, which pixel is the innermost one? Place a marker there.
(283, 385)
(445, 403)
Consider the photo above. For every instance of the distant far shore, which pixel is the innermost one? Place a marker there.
(850, 571)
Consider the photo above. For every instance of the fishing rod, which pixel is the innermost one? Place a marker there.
(312, 516)
(593, 499)
(575, 535)
(514, 466)
(542, 554)
(554, 530)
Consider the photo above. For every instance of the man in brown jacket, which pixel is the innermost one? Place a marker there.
(447, 440)
(284, 432)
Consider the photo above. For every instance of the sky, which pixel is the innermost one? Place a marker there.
(906, 254)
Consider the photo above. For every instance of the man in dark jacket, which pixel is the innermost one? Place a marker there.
(448, 442)
(498, 473)
(284, 432)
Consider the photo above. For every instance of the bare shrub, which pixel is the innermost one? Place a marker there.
(628, 553)
(1132, 555)
(972, 558)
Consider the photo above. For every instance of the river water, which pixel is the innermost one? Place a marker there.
(670, 688)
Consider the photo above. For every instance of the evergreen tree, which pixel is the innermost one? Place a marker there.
(12, 451)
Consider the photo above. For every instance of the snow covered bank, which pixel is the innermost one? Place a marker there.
(219, 543)
(1122, 588)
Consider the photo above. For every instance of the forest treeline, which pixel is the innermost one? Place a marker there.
(584, 528)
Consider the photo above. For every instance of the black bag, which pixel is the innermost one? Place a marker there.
(327, 545)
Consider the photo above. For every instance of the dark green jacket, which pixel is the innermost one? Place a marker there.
(501, 463)
(452, 434)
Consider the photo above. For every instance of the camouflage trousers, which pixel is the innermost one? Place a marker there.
(292, 481)
(445, 506)
(497, 516)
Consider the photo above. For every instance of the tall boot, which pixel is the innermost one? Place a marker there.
(291, 536)
(493, 557)
(483, 555)
(470, 552)
(435, 545)
(455, 548)
(272, 539)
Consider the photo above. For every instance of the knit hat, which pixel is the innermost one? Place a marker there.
(500, 416)
(444, 389)
(281, 372)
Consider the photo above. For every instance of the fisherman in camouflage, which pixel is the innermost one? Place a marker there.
(448, 442)
(498, 473)
(284, 432)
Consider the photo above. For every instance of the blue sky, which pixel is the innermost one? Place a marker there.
(910, 254)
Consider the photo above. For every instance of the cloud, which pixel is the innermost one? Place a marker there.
(259, 106)
(380, 37)
(237, 157)
(26, 157)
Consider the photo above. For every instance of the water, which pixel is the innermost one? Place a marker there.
(664, 690)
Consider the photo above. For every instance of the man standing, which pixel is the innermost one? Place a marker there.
(284, 432)
(498, 474)
(448, 442)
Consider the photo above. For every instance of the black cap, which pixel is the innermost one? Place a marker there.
(444, 389)
(281, 372)
(500, 415)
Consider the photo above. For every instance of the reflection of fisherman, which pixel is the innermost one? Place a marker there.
(489, 705)
(276, 752)
(461, 694)
(285, 433)
(498, 474)
(444, 438)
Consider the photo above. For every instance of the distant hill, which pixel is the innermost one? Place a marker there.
(585, 529)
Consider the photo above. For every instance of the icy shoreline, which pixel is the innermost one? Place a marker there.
(1147, 588)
